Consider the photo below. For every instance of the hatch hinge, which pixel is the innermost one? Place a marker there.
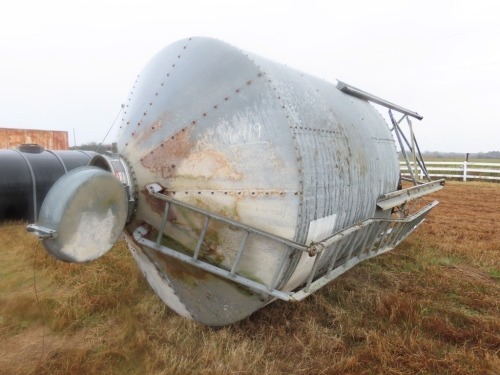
(42, 232)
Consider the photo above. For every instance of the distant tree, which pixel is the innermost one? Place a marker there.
(488, 155)
(93, 146)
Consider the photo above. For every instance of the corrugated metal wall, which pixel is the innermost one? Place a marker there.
(49, 139)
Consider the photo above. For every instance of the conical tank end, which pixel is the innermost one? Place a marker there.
(85, 211)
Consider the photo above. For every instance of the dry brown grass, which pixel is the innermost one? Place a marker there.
(431, 306)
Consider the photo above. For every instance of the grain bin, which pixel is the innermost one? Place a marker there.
(245, 181)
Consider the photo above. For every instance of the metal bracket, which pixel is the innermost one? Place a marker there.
(42, 232)
(354, 91)
(400, 197)
(412, 144)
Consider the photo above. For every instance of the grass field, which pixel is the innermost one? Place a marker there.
(431, 306)
(461, 160)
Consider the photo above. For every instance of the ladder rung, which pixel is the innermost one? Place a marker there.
(200, 240)
(313, 272)
(163, 223)
(240, 251)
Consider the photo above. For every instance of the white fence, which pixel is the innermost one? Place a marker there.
(457, 170)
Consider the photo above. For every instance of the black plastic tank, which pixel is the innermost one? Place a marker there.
(27, 174)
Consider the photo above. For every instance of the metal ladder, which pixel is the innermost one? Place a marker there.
(341, 251)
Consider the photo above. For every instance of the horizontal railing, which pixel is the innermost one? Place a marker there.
(457, 170)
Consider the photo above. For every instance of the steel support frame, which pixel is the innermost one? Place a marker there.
(412, 144)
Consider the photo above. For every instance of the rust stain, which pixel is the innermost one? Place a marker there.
(157, 205)
(208, 164)
(210, 249)
(179, 270)
(145, 131)
(164, 159)
(180, 156)
(49, 139)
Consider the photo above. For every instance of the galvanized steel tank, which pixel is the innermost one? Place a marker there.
(256, 142)
(237, 181)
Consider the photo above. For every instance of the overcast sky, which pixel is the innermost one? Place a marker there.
(70, 64)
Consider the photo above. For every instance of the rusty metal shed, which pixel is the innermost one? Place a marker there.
(49, 139)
